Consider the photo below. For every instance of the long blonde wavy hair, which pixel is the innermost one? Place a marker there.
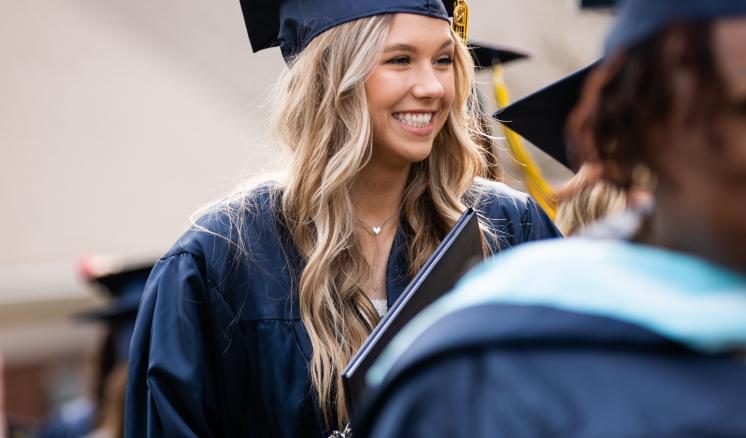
(322, 116)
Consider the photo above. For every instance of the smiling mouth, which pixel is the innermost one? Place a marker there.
(415, 120)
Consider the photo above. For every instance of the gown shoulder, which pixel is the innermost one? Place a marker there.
(512, 216)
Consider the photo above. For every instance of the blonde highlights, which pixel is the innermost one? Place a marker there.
(322, 116)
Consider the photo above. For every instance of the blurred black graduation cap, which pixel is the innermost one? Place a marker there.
(540, 117)
(292, 24)
(486, 55)
(592, 4)
(640, 19)
(123, 285)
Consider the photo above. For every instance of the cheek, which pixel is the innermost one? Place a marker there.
(383, 90)
(449, 90)
(371, 93)
(727, 149)
(375, 102)
(735, 150)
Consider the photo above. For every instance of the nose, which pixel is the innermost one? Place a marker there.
(427, 84)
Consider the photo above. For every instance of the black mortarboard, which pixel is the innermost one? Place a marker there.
(590, 4)
(292, 24)
(639, 19)
(486, 55)
(540, 117)
(124, 288)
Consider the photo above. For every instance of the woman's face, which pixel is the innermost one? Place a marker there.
(411, 90)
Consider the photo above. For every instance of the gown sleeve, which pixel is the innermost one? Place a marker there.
(536, 224)
(172, 389)
(512, 216)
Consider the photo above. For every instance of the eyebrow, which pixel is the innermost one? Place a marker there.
(407, 48)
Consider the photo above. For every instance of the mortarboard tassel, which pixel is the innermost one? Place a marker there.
(536, 185)
(461, 19)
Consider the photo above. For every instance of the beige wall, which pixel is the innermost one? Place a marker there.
(120, 118)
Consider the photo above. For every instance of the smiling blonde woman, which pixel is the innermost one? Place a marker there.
(248, 321)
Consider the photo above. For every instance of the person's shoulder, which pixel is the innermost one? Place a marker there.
(489, 188)
(562, 260)
(231, 225)
(511, 215)
(487, 196)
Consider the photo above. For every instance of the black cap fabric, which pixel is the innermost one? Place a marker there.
(591, 4)
(540, 117)
(486, 55)
(124, 287)
(640, 19)
(292, 24)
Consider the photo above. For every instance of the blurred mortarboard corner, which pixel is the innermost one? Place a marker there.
(291, 24)
(597, 4)
(121, 282)
(640, 19)
(540, 117)
(486, 55)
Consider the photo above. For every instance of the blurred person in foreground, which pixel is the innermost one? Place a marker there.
(636, 336)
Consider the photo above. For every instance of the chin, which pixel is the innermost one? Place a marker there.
(416, 153)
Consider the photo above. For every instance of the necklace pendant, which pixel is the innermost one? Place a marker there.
(376, 230)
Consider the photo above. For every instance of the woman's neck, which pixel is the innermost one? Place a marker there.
(377, 192)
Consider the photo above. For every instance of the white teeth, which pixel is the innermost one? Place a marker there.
(418, 120)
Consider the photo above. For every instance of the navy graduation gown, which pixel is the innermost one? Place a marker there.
(219, 348)
(536, 371)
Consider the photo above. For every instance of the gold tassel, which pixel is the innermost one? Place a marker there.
(461, 19)
(536, 185)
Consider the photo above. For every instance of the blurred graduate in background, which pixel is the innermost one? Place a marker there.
(639, 335)
(101, 414)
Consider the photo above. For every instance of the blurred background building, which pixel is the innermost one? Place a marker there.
(118, 119)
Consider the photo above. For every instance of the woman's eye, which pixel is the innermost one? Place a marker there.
(399, 60)
(446, 60)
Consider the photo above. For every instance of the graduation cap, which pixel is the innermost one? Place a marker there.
(594, 4)
(640, 19)
(123, 285)
(540, 117)
(486, 55)
(292, 24)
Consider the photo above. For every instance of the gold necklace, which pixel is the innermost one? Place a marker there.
(375, 231)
